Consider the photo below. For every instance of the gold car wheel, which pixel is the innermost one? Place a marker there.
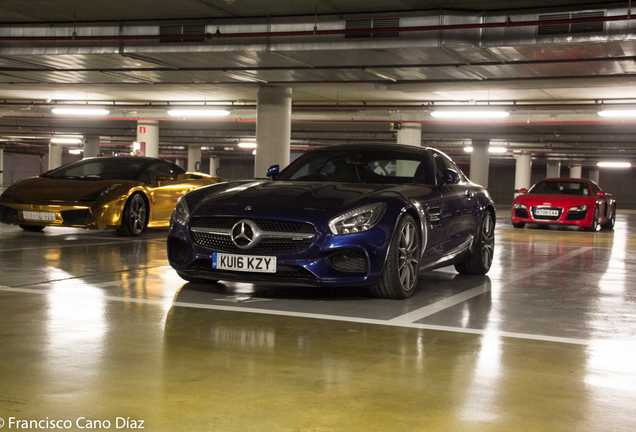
(135, 216)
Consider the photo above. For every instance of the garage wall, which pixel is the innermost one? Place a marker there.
(18, 167)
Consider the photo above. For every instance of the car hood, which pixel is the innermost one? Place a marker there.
(278, 197)
(36, 190)
(553, 199)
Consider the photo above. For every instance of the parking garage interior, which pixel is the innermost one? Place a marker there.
(97, 331)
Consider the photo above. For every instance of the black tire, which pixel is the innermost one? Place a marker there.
(519, 224)
(32, 228)
(134, 218)
(401, 268)
(612, 222)
(481, 258)
(594, 226)
(196, 279)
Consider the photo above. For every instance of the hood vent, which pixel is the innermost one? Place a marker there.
(570, 29)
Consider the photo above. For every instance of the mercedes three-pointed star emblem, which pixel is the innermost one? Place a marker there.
(245, 234)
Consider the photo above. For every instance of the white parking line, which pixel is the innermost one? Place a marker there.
(431, 309)
(480, 332)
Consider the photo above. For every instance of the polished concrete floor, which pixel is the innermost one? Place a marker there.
(98, 331)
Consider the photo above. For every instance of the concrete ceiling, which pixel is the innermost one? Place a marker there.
(354, 67)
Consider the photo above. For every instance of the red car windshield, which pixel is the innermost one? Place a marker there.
(556, 187)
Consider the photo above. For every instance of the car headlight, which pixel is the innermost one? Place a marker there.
(520, 206)
(578, 209)
(96, 195)
(357, 220)
(181, 213)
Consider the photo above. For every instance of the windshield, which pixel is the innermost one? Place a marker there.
(560, 187)
(123, 168)
(359, 166)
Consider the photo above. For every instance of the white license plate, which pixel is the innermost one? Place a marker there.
(546, 212)
(245, 263)
(39, 216)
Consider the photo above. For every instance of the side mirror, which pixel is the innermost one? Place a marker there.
(523, 190)
(600, 194)
(450, 176)
(273, 172)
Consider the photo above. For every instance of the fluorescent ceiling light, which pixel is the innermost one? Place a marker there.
(469, 149)
(79, 111)
(66, 141)
(247, 145)
(470, 114)
(614, 164)
(617, 113)
(76, 151)
(198, 113)
(497, 149)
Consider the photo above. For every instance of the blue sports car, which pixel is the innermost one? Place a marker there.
(347, 215)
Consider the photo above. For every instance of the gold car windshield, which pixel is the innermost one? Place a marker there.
(101, 169)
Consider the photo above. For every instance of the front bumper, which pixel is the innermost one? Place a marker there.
(561, 216)
(64, 214)
(328, 260)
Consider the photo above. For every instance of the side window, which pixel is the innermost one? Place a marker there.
(443, 163)
(162, 169)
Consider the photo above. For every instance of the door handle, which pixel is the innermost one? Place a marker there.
(469, 194)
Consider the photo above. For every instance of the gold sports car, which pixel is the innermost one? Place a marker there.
(127, 193)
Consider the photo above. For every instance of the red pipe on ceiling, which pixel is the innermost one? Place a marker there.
(219, 35)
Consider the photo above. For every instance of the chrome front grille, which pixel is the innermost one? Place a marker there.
(275, 236)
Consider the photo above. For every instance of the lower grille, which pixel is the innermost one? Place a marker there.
(8, 214)
(521, 213)
(350, 260)
(77, 217)
(178, 251)
(576, 216)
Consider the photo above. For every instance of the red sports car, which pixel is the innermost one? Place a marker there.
(566, 202)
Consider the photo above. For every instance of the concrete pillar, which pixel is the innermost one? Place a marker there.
(1, 167)
(523, 172)
(479, 162)
(214, 165)
(148, 133)
(594, 175)
(410, 134)
(55, 156)
(91, 146)
(575, 171)
(553, 170)
(273, 128)
(194, 159)
(180, 163)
